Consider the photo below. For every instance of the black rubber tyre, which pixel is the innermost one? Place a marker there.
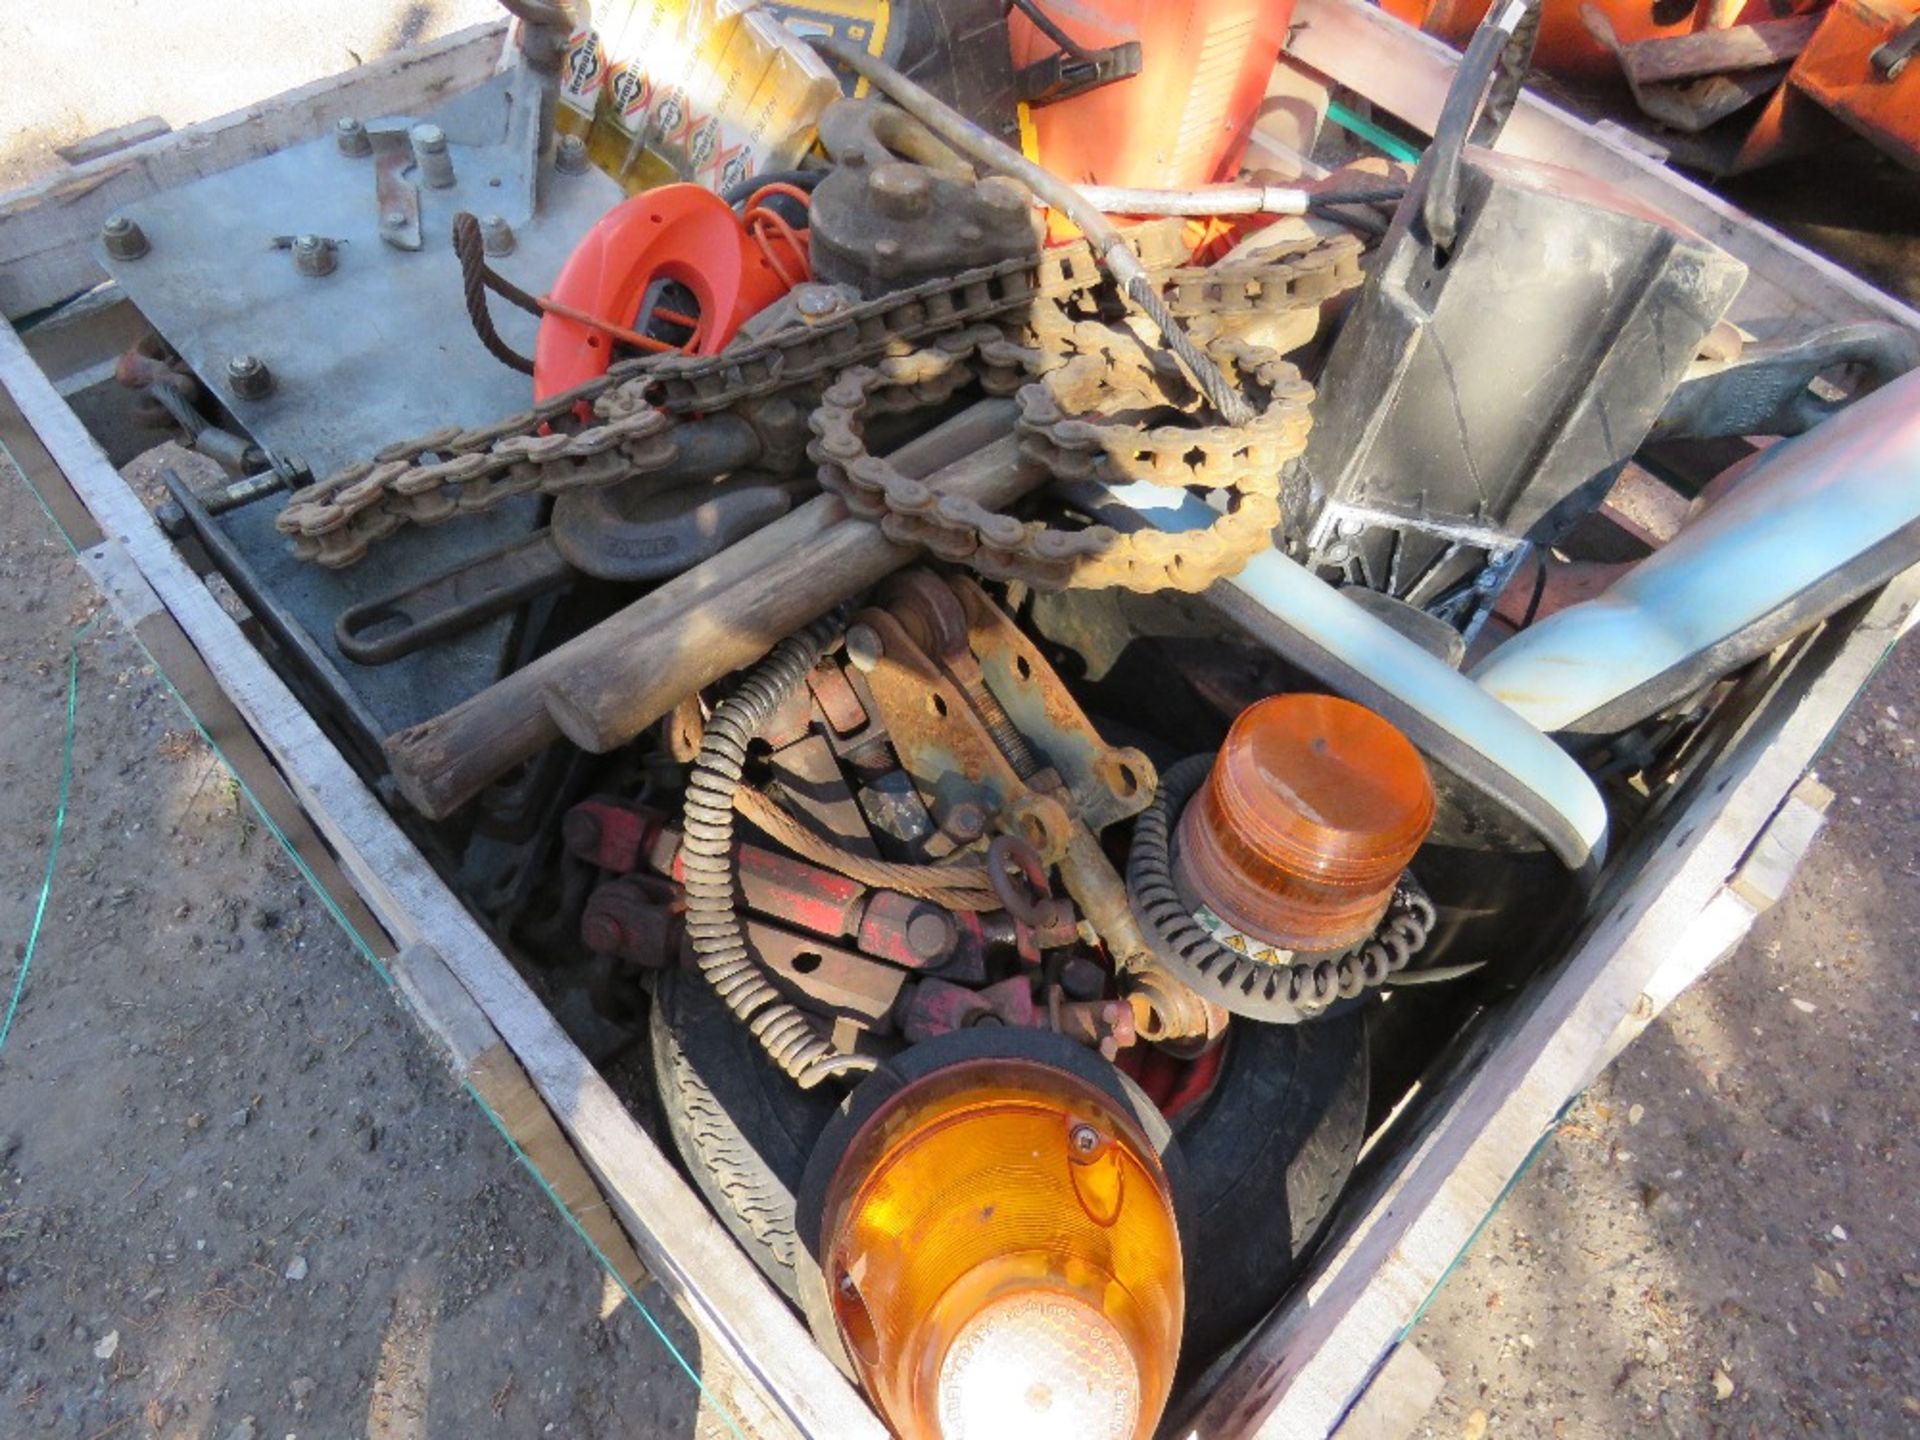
(1265, 1154)
(743, 1129)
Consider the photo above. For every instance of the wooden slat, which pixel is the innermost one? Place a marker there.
(48, 228)
(1300, 1373)
(681, 1243)
(1406, 73)
(1715, 52)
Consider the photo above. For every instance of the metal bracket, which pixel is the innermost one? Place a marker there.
(1062, 74)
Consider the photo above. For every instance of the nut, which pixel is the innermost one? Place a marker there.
(430, 154)
(249, 378)
(351, 137)
(124, 239)
(313, 255)
(496, 235)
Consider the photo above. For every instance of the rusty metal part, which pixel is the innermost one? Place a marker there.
(957, 887)
(884, 923)
(378, 631)
(1078, 422)
(605, 686)
(880, 221)
(625, 918)
(828, 978)
(1034, 906)
(395, 197)
(1858, 66)
(1167, 1010)
(946, 747)
(336, 520)
(1108, 783)
(936, 1007)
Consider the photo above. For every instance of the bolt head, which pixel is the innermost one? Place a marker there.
(248, 377)
(570, 155)
(1083, 1139)
(350, 137)
(930, 934)
(864, 648)
(817, 302)
(900, 190)
(966, 821)
(429, 138)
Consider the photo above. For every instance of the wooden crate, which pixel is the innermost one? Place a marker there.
(1699, 873)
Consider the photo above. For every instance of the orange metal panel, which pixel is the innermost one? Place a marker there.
(1837, 70)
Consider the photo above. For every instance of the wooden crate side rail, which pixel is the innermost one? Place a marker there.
(1300, 1373)
(48, 228)
(1407, 73)
(675, 1235)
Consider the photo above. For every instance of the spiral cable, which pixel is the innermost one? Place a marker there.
(1255, 988)
(786, 1032)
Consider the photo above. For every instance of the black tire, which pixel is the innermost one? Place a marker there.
(743, 1129)
(1265, 1154)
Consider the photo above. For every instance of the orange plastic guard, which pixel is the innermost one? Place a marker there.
(1185, 118)
(676, 232)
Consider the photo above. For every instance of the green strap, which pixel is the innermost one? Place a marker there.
(1381, 139)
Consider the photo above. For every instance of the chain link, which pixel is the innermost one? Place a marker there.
(449, 472)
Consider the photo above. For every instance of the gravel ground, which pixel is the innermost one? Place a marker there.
(239, 1198)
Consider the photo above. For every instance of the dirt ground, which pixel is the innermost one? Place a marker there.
(240, 1199)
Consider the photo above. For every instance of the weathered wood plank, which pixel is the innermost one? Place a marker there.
(1406, 73)
(1668, 58)
(685, 1248)
(48, 228)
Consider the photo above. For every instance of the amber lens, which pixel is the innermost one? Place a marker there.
(1002, 1259)
(1313, 808)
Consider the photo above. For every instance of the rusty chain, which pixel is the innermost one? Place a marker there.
(1085, 377)
(453, 471)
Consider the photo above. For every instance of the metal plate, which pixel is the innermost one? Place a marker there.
(378, 350)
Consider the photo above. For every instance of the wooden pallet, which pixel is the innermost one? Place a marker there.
(1706, 868)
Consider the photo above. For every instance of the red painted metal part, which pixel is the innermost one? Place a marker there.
(1185, 118)
(677, 232)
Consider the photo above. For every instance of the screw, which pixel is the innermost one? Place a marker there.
(124, 239)
(430, 153)
(313, 255)
(249, 378)
(863, 648)
(496, 235)
(900, 190)
(1083, 1138)
(351, 137)
(570, 155)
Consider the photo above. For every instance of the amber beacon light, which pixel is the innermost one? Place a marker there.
(1000, 1256)
(1313, 808)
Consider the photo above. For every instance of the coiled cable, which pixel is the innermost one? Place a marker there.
(787, 1033)
(1287, 992)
